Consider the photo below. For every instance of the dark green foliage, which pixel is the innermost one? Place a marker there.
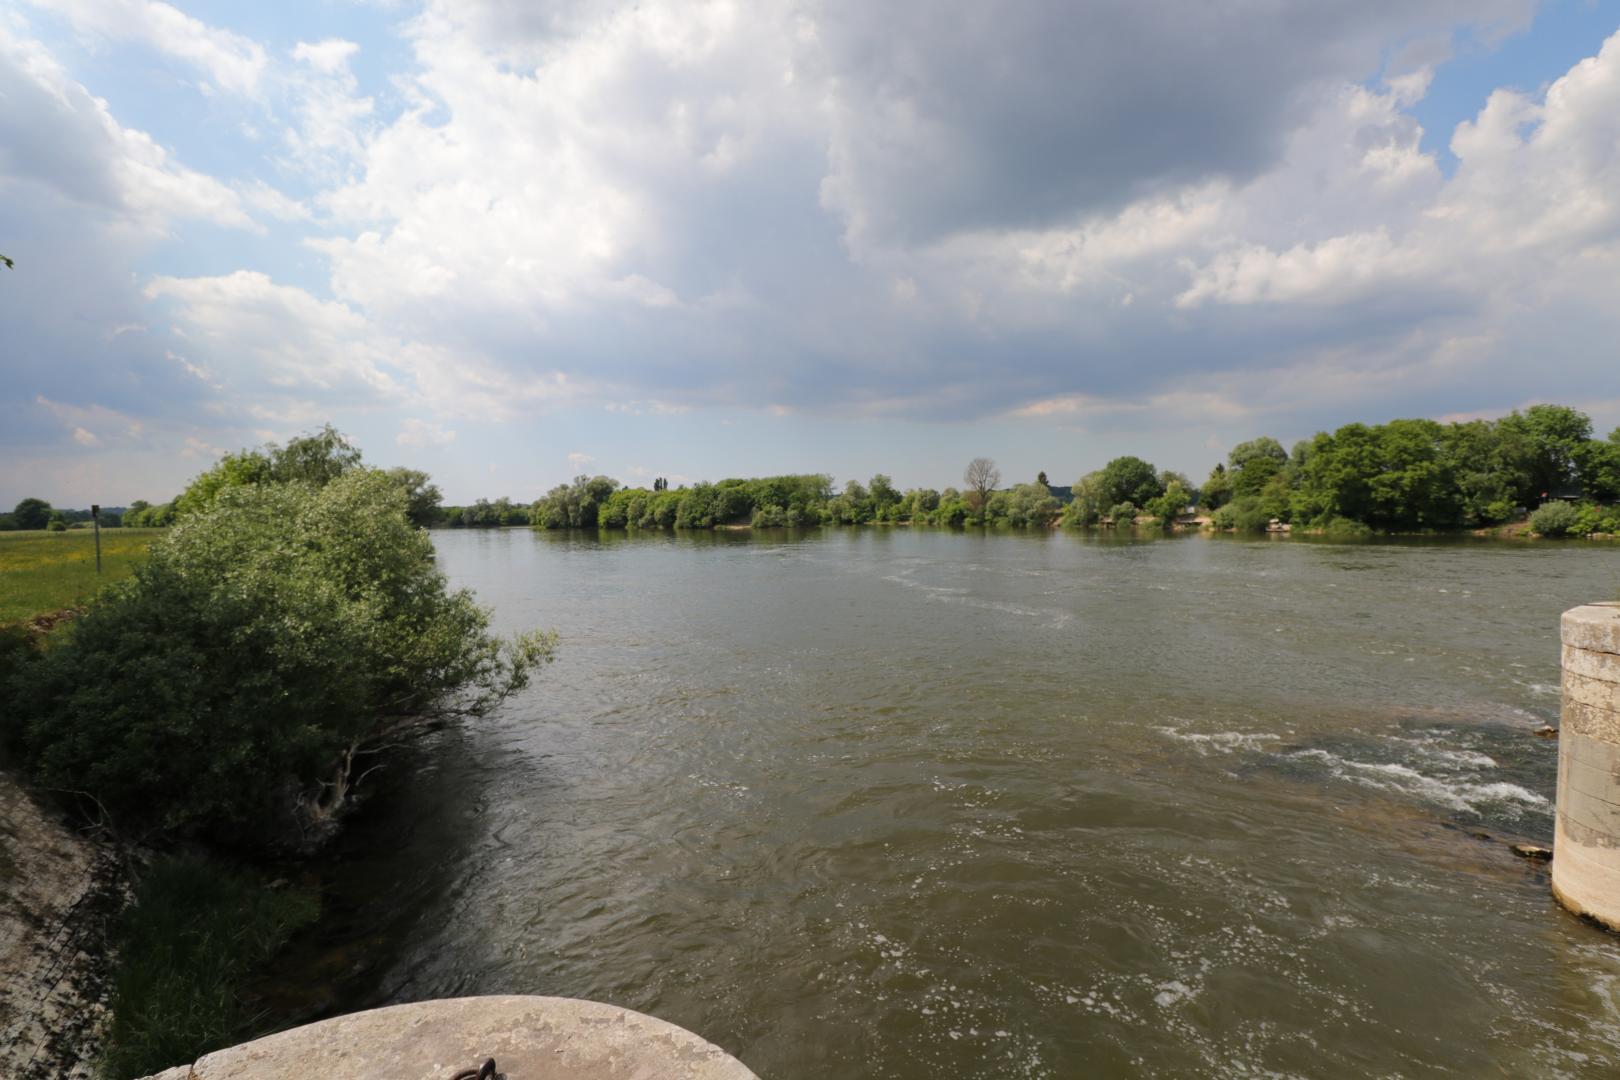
(422, 497)
(572, 506)
(194, 933)
(1554, 433)
(484, 514)
(1599, 465)
(1217, 491)
(227, 686)
(32, 514)
(1243, 514)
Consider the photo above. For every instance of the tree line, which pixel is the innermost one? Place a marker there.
(1401, 476)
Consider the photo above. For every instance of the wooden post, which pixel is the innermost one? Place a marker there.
(95, 517)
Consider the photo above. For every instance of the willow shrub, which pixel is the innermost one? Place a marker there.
(235, 685)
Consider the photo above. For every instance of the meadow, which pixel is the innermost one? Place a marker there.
(42, 571)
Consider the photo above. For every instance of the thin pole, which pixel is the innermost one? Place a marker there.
(95, 516)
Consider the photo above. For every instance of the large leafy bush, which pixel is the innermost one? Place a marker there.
(273, 639)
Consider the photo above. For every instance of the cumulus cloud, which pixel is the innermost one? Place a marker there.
(62, 142)
(1087, 215)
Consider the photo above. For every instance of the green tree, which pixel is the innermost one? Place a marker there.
(1028, 506)
(1264, 447)
(1554, 433)
(1090, 501)
(237, 683)
(1130, 479)
(1168, 507)
(1599, 465)
(422, 497)
(32, 513)
(1217, 491)
(316, 459)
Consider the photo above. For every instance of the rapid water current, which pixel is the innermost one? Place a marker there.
(896, 803)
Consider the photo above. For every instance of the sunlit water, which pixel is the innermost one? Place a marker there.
(887, 802)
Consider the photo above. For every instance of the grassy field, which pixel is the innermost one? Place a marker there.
(45, 571)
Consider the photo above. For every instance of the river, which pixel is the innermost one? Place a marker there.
(893, 802)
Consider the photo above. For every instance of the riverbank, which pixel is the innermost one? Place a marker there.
(60, 894)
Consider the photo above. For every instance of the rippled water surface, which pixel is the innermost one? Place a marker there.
(932, 803)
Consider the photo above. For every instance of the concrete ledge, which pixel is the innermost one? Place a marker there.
(530, 1038)
(1593, 626)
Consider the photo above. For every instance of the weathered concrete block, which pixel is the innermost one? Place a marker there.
(1589, 720)
(1586, 839)
(530, 1038)
(1598, 693)
(1590, 664)
(1586, 879)
(1593, 626)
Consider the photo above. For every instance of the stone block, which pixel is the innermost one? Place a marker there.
(1589, 664)
(1594, 692)
(1595, 627)
(1590, 720)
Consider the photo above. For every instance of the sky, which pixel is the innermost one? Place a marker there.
(511, 243)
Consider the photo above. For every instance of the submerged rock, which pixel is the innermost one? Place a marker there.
(1532, 851)
(1546, 731)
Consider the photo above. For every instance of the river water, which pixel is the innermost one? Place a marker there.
(885, 802)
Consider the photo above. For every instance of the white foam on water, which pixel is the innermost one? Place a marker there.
(1224, 742)
(1172, 992)
(1457, 793)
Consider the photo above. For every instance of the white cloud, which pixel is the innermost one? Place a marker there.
(577, 460)
(84, 437)
(423, 433)
(327, 57)
(56, 135)
(275, 343)
(233, 62)
(1535, 186)
(330, 117)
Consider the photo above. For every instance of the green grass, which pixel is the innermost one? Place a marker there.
(196, 932)
(45, 571)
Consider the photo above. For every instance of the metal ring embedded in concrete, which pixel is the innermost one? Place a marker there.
(1586, 837)
(533, 1038)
